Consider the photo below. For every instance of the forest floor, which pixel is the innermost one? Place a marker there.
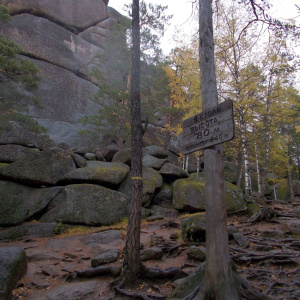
(270, 261)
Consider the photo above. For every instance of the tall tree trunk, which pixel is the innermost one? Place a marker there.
(298, 159)
(257, 168)
(290, 179)
(266, 166)
(248, 187)
(132, 262)
(219, 278)
(239, 170)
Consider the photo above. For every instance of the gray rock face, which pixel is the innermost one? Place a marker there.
(40, 38)
(151, 253)
(106, 257)
(197, 253)
(90, 205)
(189, 195)
(77, 14)
(110, 174)
(110, 236)
(11, 153)
(13, 266)
(32, 230)
(153, 162)
(172, 172)
(165, 212)
(41, 168)
(123, 156)
(152, 180)
(164, 197)
(156, 151)
(52, 34)
(19, 203)
(193, 228)
(71, 291)
(20, 136)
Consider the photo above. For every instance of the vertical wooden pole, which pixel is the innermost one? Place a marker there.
(219, 278)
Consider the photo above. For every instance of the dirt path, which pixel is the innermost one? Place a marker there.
(270, 260)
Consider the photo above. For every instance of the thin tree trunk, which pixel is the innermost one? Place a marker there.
(186, 166)
(266, 166)
(248, 188)
(219, 278)
(239, 169)
(257, 168)
(298, 159)
(132, 262)
(290, 179)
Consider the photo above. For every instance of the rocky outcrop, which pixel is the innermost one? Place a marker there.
(19, 203)
(152, 181)
(64, 39)
(39, 168)
(89, 205)
(189, 195)
(101, 172)
(13, 266)
(70, 13)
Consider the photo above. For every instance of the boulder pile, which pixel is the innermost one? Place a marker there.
(59, 186)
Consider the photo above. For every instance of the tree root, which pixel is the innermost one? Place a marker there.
(171, 273)
(266, 214)
(119, 289)
(98, 271)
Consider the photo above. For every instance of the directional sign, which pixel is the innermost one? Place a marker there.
(208, 128)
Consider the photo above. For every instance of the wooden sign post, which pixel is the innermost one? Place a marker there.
(208, 128)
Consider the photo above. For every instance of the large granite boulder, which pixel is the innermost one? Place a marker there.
(29, 231)
(19, 203)
(193, 227)
(13, 266)
(88, 204)
(172, 172)
(42, 39)
(41, 168)
(155, 151)
(234, 198)
(10, 153)
(20, 135)
(153, 162)
(56, 36)
(152, 181)
(110, 174)
(189, 195)
(70, 13)
(164, 196)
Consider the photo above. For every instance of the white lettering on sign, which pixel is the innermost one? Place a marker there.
(208, 128)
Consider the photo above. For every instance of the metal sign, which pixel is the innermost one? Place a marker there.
(211, 127)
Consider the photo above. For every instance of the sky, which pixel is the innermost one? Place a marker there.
(182, 11)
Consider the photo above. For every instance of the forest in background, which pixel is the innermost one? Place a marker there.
(256, 63)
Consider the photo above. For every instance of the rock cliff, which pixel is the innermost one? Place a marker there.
(64, 38)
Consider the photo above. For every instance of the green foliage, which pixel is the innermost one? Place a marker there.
(114, 78)
(15, 68)
(4, 15)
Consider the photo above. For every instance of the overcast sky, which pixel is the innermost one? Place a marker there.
(182, 10)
